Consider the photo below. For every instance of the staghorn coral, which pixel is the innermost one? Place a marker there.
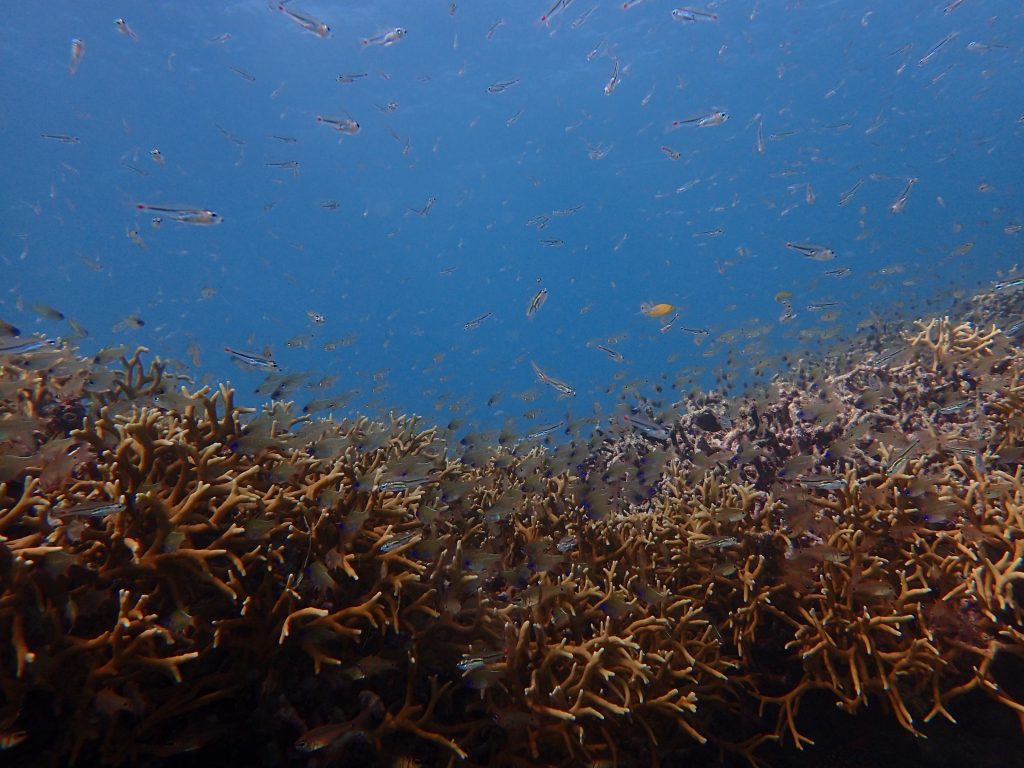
(177, 568)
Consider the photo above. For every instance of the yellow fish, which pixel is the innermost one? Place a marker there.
(656, 310)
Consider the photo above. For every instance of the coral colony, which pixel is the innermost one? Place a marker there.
(180, 574)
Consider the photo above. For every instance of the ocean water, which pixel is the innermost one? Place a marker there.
(498, 155)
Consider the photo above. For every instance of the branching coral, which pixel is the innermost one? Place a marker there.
(361, 590)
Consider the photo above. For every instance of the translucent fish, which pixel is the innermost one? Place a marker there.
(304, 20)
(124, 29)
(77, 52)
(46, 311)
(537, 302)
(386, 38)
(250, 360)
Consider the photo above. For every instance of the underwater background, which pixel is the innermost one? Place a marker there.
(453, 202)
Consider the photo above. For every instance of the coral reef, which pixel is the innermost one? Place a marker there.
(180, 574)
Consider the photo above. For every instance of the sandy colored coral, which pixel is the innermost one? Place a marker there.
(180, 573)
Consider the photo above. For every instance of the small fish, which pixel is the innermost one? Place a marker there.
(536, 303)
(77, 52)
(552, 243)
(566, 543)
(46, 311)
(476, 322)
(6, 329)
(557, 8)
(387, 38)
(305, 21)
(647, 427)
(63, 138)
(667, 325)
(394, 543)
(718, 542)
(563, 212)
(838, 272)
(128, 323)
(613, 354)
(469, 663)
(900, 203)
(350, 77)
(1014, 329)
(704, 121)
(248, 76)
(811, 251)
(431, 202)
(1017, 282)
(692, 14)
(136, 238)
(501, 85)
(655, 310)
(544, 431)
(900, 459)
(402, 485)
(344, 125)
(698, 332)
(956, 407)
(494, 28)
(27, 346)
(253, 361)
(614, 79)
(670, 153)
(124, 29)
(936, 48)
(200, 216)
(95, 509)
(317, 738)
(317, 317)
(822, 482)
(560, 386)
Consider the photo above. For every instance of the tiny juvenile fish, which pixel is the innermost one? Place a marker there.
(345, 125)
(304, 20)
(89, 509)
(254, 361)
(900, 459)
(537, 302)
(61, 137)
(469, 663)
(613, 354)
(501, 85)
(718, 542)
(27, 346)
(544, 431)
(692, 14)
(392, 544)
(476, 322)
(201, 216)
(561, 386)
(822, 482)
(1004, 284)
(387, 38)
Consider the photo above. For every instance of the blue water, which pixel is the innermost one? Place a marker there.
(842, 91)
